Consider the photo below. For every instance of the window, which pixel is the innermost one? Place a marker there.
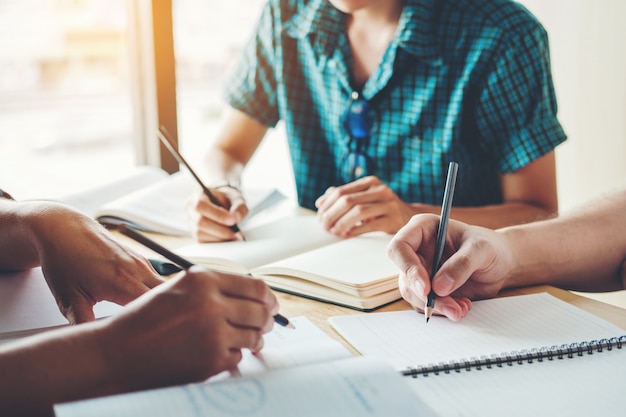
(65, 108)
(68, 78)
(208, 39)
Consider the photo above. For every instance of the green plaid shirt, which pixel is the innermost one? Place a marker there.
(462, 80)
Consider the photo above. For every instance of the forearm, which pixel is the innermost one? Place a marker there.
(32, 230)
(492, 216)
(58, 366)
(237, 140)
(581, 251)
(18, 249)
(223, 168)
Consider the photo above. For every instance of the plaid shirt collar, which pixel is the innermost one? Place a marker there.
(322, 22)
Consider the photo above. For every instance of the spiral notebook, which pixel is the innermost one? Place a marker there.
(523, 355)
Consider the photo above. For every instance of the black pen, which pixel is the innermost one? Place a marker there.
(165, 138)
(127, 230)
(448, 194)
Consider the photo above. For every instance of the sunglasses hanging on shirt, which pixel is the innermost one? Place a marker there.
(358, 124)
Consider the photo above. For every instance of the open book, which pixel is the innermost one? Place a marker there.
(301, 372)
(153, 201)
(513, 356)
(296, 255)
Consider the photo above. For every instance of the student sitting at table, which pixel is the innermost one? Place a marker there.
(377, 97)
(183, 330)
(582, 251)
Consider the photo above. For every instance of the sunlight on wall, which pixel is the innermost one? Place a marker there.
(589, 66)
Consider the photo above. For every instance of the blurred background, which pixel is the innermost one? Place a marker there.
(69, 104)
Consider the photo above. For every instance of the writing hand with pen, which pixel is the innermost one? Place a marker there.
(474, 264)
(217, 221)
(214, 213)
(187, 265)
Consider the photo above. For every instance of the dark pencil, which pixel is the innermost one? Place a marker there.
(177, 259)
(448, 194)
(165, 139)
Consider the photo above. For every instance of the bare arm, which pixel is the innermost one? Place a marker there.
(583, 250)
(586, 249)
(367, 205)
(238, 138)
(152, 343)
(529, 194)
(17, 248)
(82, 263)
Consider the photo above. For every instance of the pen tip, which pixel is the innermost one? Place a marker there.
(428, 312)
(284, 321)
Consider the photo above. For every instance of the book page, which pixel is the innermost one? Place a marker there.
(91, 200)
(358, 265)
(154, 201)
(266, 243)
(495, 326)
(159, 207)
(349, 387)
(27, 306)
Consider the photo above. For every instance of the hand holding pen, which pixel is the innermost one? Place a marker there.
(178, 260)
(167, 142)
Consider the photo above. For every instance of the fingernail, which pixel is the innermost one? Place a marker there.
(450, 312)
(445, 284)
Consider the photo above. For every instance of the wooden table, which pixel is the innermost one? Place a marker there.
(318, 312)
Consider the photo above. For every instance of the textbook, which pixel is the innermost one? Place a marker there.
(152, 200)
(514, 356)
(301, 372)
(295, 254)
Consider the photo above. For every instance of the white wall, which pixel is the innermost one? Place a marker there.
(588, 45)
(588, 48)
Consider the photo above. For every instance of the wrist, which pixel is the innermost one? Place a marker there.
(235, 187)
(120, 373)
(519, 270)
(47, 223)
(31, 233)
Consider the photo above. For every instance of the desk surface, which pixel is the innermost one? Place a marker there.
(318, 312)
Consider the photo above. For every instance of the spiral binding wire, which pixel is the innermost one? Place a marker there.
(549, 353)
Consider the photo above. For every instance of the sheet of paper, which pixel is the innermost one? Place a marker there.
(285, 347)
(349, 387)
(27, 306)
(491, 327)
